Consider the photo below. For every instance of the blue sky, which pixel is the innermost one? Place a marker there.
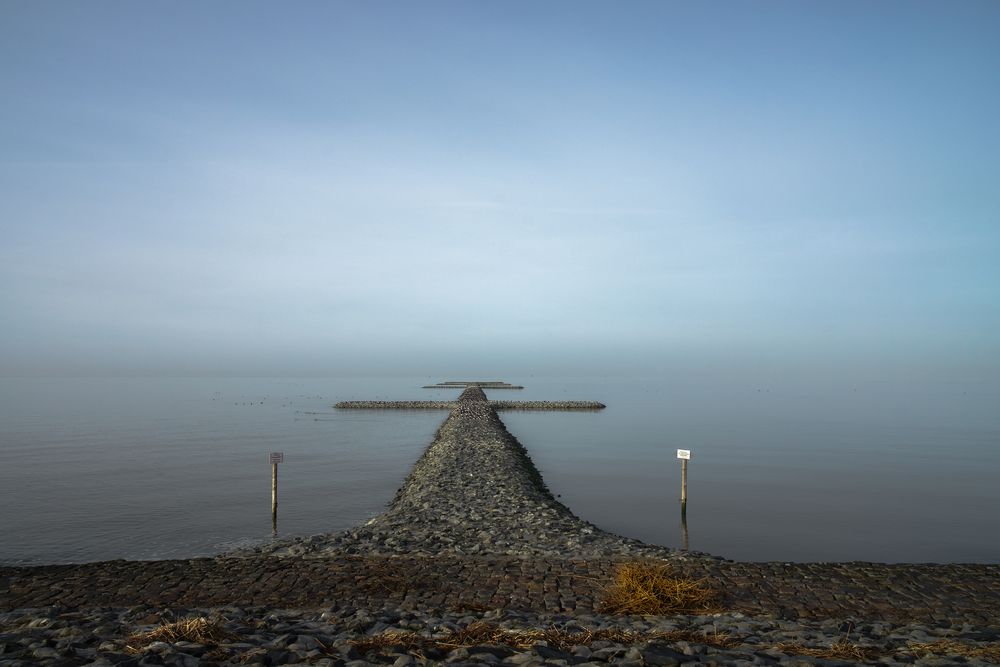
(241, 187)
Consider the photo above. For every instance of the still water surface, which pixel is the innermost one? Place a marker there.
(96, 469)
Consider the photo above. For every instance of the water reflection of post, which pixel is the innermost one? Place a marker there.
(276, 458)
(684, 526)
(274, 499)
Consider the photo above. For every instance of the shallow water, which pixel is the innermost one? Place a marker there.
(155, 468)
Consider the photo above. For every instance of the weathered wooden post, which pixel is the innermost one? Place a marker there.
(276, 458)
(684, 455)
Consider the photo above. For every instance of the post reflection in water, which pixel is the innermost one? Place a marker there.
(275, 458)
(684, 527)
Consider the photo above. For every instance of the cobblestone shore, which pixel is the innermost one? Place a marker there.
(791, 591)
(473, 541)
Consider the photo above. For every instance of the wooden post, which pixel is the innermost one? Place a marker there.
(684, 484)
(684, 455)
(276, 458)
(684, 529)
(274, 498)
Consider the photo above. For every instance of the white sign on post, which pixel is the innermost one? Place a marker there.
(277, 457)
(684, 453)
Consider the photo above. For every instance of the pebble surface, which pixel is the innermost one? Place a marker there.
(474, 537)
(341, 636)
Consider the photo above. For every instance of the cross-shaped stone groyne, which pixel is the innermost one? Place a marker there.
(473, 491)
(561, 406)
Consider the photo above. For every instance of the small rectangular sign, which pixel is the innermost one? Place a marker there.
(684, 453)
(277, 457)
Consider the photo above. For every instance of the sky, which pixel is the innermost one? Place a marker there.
(499, 187)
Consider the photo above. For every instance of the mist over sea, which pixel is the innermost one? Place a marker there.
(147, 468)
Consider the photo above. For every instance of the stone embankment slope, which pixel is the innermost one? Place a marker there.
(935, 595)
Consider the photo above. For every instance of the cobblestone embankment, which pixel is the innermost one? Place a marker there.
(931, 594)
(358, 611)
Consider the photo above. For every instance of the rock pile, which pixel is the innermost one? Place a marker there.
(474, 491)
(344, 636)
(396, 405)
(561, 406)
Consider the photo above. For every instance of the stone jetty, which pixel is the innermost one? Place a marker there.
(474, 491)
(461, 384)
(560, 406)
(552, 406)
(396, 405)
(475, 562)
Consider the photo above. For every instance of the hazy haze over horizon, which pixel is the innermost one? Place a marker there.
(500, 189)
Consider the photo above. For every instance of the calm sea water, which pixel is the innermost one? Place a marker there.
(96, 469)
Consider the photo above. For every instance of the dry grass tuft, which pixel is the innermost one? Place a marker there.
(480, 634)
(988, 652)
(408, 641)
(196, 630)
(650, 587)
(474, 607)
(717, 639)
(843, 649)
(253, 655)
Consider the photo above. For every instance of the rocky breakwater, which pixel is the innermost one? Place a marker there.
(345, 636)
(474, 491)
(396, 405)
(462, 384)
(561, 406)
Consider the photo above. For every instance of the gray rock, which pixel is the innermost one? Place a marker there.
(306, 643)
(44, 652)
(662, 656)
(548, 653)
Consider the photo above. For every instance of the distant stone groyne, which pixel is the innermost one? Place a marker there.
(461, 384)
(396, 405)
(451, 405)
(560, 406)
